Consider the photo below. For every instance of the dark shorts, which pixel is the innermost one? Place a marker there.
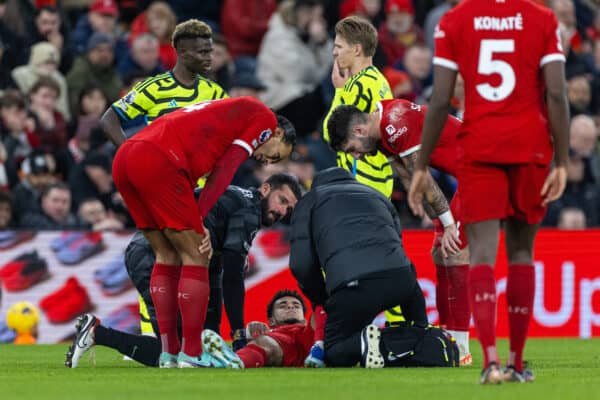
(157, 194)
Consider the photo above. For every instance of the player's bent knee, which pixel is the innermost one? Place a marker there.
(272, 349)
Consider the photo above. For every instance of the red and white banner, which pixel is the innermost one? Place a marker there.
(87, 273)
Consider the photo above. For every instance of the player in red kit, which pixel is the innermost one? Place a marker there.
(286, 343)
(155, 172)
(395, 129)
(516, 117)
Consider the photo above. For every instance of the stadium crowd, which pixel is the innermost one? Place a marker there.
(64, 62)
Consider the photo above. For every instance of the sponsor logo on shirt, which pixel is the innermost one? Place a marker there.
(390, 129)
(396, 135)
(173, 103)
(264, 136)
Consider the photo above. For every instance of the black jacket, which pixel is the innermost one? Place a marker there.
(232, 222)
(346, 229)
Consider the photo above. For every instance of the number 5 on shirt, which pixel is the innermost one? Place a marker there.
(487, 66)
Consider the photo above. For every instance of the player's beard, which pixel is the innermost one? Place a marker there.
(369, 144)
(268, 218)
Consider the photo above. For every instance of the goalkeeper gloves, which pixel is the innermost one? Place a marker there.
(316, 356)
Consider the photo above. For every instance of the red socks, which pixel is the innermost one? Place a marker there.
(520, 290)
(458, 297)
(192, 295)
(320, 320)
(482, 288)
(442, 292)
(253, 356)
(163, 289)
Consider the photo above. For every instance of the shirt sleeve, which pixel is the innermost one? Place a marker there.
(135, 103)
(445, 55)
(259, 130)
(553, 50)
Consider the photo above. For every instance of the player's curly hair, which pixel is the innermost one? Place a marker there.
(191, 29)
(358, 30)
(340, 122)
(284, 293)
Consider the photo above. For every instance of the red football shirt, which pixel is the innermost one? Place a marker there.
(194, 137)
(499, 47)
(401, 125)
(295, 341)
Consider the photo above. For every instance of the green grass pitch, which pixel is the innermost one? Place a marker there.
(565, 369)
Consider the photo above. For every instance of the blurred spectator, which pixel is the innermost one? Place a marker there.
(11, 40)
(92, 212)
(294, 58)
(417, 64)
(14, 20)
(399, 83)
(37, 173)
(142, 58)
(92, 103)
(15, 129)
(244, 23)
(580, 192)
(583, 141)
(369, 9)
(8, 171)
(48, 27)
(565, 13)
(208, 11)
(101, 18)
(43, 61)
(577, 63)
(6, 219)
(92, 178)
(50, 126)
(579, 93)
(571, 218)
(399, 31)
(222, 68)
(6, 80)
(246, 84)
(95, 68)
(583, 136)
(301, 166)
(54, 212)
(593, 31)
(160, 20)
(433, 18)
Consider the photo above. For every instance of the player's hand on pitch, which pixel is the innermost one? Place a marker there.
(339, 76)
(415, 192)
(450, 241)
(316, 357)
(256, 328)
(554, 185)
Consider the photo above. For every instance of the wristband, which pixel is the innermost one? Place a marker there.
(446, 218)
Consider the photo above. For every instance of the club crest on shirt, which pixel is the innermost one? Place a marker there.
(390, 129)
(264, 136)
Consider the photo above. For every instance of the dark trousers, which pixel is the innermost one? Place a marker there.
(354, 306)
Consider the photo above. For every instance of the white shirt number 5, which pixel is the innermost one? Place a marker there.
(487, 66)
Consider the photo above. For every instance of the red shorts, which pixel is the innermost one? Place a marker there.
(455, 208)
(498, 191)
(157, 194)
